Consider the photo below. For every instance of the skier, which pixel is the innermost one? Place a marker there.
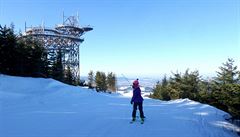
(137, 101)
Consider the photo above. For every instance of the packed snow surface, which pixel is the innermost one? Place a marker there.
(37, 107)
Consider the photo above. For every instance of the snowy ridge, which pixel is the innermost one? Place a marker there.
(37, 107)
(127, 91)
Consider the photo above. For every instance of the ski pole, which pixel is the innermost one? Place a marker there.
(126, 79)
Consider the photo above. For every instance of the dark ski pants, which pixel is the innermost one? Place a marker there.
(139, 105)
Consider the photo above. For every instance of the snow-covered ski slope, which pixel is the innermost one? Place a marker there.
(37, 107)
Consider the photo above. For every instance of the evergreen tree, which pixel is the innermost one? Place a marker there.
(32, 60)
(161, 90)
(45, 69)
(228, 73)
(111, 81)
(7, 50)
(226, 89)
(179, 86)
(90, 79)
(69, 76)
(185, 86)
(165, 94)
(175, 86)
(190, 85)
(204, 94)
(57, 68)
(23, 57)
(223, 92)
(156, 91)
(100, 80)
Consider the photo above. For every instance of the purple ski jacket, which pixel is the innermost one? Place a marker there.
(137, 95)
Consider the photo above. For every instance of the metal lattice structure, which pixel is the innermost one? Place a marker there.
(65, 37)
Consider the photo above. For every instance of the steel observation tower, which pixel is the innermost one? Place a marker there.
(66, 37)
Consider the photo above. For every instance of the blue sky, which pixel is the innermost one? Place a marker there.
(142, 37)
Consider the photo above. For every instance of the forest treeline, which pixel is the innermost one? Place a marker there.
(102, 82)
(22, 56)
(222, 91)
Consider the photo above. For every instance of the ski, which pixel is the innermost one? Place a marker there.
(133, 120)
(141, 121)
